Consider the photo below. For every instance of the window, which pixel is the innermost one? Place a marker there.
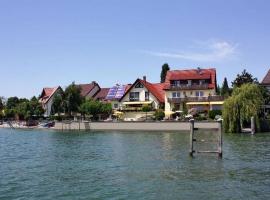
(115, 106)
(185, 94)
(176, 95)
(199, 93)
(146, 96)
(134, 96)
(139, 85)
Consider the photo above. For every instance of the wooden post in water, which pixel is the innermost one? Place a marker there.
(220, 139)
(252, 120)
(191, 151)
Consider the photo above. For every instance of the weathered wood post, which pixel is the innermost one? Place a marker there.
(191, 151)
(252, 120)
(220, 139)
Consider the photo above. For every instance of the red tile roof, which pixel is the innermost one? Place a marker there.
(266, 79)
(191, 74)
(101, 95)
(87, 88)
(47, 93)
(155, 89)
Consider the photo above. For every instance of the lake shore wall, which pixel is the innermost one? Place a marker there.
(134, 126)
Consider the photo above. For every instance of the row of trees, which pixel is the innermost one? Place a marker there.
(22, 108)
(70, 102)
(245, 100)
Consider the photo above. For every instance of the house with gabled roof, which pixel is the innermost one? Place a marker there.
(141, 93)
(47, 98)
(89, 90)
(192, 88)
(101, 94)
(266, 81)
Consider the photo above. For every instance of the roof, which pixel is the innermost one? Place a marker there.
(47, 93)
(87, 88)
(116, 92)
(266, 79)
(102, 93)
(155, 89)
(191, 74)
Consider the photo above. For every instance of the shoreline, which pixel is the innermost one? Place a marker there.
(121, 126)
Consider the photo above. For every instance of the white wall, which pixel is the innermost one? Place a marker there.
(141, 96)
(48, 105)
(189, 93)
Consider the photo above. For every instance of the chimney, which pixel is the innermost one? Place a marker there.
(144, 78)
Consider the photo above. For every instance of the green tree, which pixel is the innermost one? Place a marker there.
(244, 103)
(35, 107)
(12, 102)
(106, 108)
(225, 90)
(1, 104)
(244, 78)
(73, 98)
(165, 68)
(59, 103)
(218, 91)
(90, 107)
(146, 108)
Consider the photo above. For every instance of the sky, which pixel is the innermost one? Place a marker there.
(45, 43)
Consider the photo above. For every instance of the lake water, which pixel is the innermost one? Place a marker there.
(129, 165)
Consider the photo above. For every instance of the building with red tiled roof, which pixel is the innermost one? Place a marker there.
(266, 80)
(89, 90)
(101, 94)
(47, 97)
(141, 93)
(191, 88)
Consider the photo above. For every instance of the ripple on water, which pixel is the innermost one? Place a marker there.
(138, 165)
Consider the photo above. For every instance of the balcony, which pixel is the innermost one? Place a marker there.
(189, 87)
(196, 99)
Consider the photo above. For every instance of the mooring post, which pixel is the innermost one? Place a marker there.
(191, 151)
(220, 139)
(252, 125)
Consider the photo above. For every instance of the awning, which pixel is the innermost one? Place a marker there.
(169, 112)
(118, 113)
(137, 102)
(197, 103)
(216, 102)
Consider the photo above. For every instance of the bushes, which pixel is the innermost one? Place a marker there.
(213, 113)
(159, 114)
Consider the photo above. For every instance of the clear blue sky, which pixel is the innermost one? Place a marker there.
(55, 42)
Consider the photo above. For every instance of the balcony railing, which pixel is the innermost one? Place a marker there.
(134, 99)
(189, 87)
(196, 99)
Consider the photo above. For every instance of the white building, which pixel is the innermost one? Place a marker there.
(139, 94)
(47, 98)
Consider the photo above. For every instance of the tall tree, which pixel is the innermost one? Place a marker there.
(225, 90)
(244, 78)
(218, 90)
(59, 103)
(165, 68)
(73, 98)
(244, 103)
(12, 102)
(1, 104)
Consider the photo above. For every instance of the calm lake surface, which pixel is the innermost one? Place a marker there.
(129, 165)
